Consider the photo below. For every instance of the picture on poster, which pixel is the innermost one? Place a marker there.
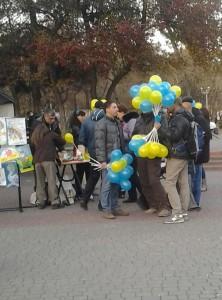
(16, 131)
(11, 173)
(3, 134)
(2, 177)
(21, 154)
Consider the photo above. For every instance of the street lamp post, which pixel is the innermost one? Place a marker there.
(205, 91)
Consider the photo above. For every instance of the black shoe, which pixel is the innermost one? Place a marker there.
(83, 204)
(41, 206)
(129, 201)
(197, 208)
(142, 203)
(57, 205)
(100, 206)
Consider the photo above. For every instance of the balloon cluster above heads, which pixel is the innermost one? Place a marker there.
(120, 169)
(155, 92)
(93, 102)
(197, 105)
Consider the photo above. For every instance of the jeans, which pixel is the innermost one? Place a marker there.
(90, 184)
(196, 183)
(109, 194)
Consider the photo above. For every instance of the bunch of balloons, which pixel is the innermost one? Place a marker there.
(120, 169)
(147, 149)
(155, 92)
(197, 105)
(93, 102)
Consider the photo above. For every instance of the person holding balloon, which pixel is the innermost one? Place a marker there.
(108, 137)
(150, 169)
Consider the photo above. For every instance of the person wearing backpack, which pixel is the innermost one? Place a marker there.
(177, 134)
(203, 136)
(87, 139)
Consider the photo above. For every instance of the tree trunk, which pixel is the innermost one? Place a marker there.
(126, 69)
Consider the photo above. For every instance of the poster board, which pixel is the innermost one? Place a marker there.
(15, 153)
(3, 134)
(16, 131)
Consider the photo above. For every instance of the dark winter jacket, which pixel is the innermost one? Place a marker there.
(87, 131)
(108, 137)
(177, 133)
(145, 123)
(46, 150)
(203, 156)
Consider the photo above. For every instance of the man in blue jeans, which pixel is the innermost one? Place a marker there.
(108, 137)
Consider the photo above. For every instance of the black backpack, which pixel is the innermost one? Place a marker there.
(195, 140)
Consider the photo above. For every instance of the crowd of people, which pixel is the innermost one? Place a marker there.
(110, 126)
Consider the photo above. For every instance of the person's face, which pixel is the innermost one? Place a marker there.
(49, 119)
(120, 115)
(81, 118)
(112, 110)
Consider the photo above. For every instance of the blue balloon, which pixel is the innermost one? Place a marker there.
(194, 103)
(166, 84)
(128, 157)
(113, 177)
(134, 145)
(116, 155)
(134, 90)
(168, 100)
(153, 85)
(125, 185)
(125, 174)
(130, 169)
(163, 89)
(146, 107)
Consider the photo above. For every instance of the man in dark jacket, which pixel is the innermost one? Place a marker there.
(87, 139)
(177, 164)
(203, 155)
(108, 137)
(149, 171)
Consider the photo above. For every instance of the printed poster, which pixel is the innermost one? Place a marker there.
(2, 177)
(11, 173)
(3, 134)
(16, 131)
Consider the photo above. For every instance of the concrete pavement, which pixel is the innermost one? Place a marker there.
(70, 254)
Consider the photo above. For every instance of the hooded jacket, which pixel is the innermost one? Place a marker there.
(87, 131)
(177, 133)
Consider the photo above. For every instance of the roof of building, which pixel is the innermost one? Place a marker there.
(4, 98)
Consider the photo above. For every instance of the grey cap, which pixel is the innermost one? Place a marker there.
(49, 111)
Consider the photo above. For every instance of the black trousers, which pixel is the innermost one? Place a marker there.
(82, 169)
(90, 184)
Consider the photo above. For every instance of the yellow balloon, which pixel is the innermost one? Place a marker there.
(138, 137)
(163, 151)
(143, 151)
(154, 149)
(117, 166)
(156, 78)
(198, 105)
(123, 163)
(145, 92)
(176, 89)
(92, 103)
(69, 138)
(156, 97)
(136, 102)
(103, 100)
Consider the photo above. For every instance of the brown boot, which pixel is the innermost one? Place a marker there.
(108, 215)
(120, 213)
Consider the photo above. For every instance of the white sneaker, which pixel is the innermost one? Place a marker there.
(151, 211)
(175, 219)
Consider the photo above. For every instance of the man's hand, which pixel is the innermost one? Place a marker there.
(103, 165)
(157, 125)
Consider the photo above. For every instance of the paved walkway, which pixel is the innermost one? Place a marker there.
(70, 254)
